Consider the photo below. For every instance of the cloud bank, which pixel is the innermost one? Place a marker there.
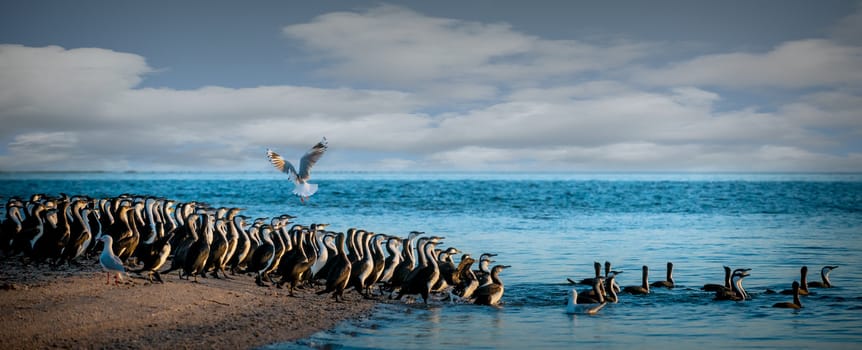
(439, 93)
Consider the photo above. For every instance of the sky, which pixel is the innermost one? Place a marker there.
(580, 86)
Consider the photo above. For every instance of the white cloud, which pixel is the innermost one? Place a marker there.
(368, 132)
(647, 156)
(52, 151)
(393, 164)
(831, 110)
(59, 93)
(476, 157)
(518, 102)
(582, 91)
(64, 84)
(46, 143)
(396, 46)
(535, 118)
(793, 64)
(219, 104)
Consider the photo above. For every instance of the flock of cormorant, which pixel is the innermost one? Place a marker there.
(605, 289)
(154, 236)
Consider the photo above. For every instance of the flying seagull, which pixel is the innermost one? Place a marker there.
(302, 188)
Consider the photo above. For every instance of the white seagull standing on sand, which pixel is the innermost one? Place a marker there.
(302, 188)
(110, 262)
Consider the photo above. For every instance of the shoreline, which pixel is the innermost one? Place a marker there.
(72, 307)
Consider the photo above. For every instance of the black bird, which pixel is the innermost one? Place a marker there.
(32, 229)
(737, 293)
(12, 224)
(490, 294)
(423, 278)
(295, 265)
(80, 233)
(796, 304)
(199, 251)
(262, 257)
(711, 287)
(667, 283)
(644, 287)
(218, 250)
(589, 281)
(184, 236)
(406, 266)
(803, 283)
(338, 276)
(156, 258)
(824, 276)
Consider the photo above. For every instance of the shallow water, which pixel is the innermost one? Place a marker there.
(553, 226)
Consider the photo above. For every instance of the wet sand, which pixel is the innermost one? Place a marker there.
(72, 307)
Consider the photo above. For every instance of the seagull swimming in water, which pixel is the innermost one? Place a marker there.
(302, 188)
(573, 307)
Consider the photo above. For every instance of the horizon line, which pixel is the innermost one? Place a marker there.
(465, 171)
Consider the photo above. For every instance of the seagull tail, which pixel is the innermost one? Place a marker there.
(305, 189)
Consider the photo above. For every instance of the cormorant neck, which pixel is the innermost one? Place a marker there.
(670, 273)
(727, 277)
(597, 290)
(495, 276)
(824, 275)
(796, 295)
(645, 279)
(339, 245)
(429, 254)
(737, 288)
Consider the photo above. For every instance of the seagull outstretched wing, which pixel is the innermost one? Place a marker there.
(310, 158)
(282, 165)
(305, 163)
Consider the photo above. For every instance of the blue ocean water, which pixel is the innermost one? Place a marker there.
(552, 226)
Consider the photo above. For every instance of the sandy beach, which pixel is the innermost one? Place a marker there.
(72, 307)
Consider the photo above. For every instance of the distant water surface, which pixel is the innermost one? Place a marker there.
(550, 226)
